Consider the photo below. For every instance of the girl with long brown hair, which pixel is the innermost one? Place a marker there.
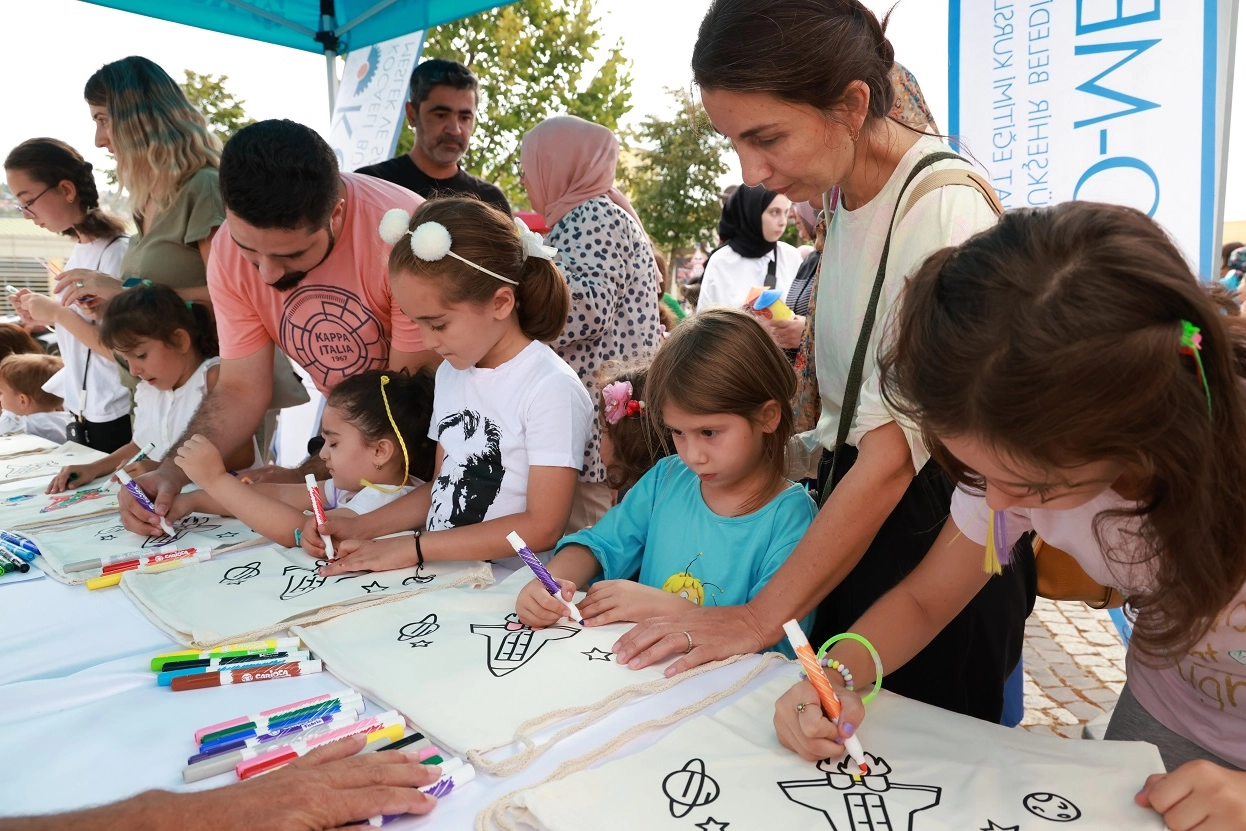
(1076, 380)
(711, 524)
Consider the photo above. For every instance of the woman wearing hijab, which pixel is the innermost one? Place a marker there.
(750, 253)
(568, 170)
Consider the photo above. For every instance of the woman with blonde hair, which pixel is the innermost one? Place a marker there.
(167, 161)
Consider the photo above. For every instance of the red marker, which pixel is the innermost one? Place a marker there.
(245, 676)
(159, 558)
(313, 490)
(388, 720)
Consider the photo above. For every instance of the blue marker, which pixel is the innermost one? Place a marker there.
(20, 541)
(16, 550)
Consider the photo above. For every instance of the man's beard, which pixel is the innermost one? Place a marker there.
(291, 279)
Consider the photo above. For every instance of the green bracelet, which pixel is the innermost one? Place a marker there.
(878, 663)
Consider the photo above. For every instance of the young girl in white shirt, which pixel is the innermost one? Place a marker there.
(375, 427)
(510, 417)
(170, 346)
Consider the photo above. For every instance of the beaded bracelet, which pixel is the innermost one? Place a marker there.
(878, 663)
(842, 669)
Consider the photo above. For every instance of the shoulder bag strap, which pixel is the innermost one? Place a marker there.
(852, 389)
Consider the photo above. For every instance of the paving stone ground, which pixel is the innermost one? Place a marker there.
(1074, 667)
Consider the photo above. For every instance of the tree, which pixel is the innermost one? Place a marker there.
(675, 181)
(534, 59)
(223, 111)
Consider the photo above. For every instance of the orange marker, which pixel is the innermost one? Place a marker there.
(826, 693)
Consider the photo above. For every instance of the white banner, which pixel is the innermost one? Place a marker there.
(368, 113)
(1122, 101)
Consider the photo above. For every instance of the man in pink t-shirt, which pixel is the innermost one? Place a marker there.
(298, 264)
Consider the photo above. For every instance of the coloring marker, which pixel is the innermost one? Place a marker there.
(229, 650)
(17, 562)
(542, 574)
(21, 553)
(291, 732)
(246, 676)
(313, 490)
(164, 678)
(186, 556)
(203, 732)
(114, 578)
(138, 457)
(223, 661)
(11, 290)
(138, 494)
(826, 693)
(458, 776)
(328, 708)
(230, 760)
(7, 568)
(389, 724)
(406, 742)
(21, 542)
(108, 561)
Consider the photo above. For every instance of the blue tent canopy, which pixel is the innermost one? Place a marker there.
(310, 25)
(332, 27)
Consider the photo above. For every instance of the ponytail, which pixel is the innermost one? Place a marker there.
(544, 301)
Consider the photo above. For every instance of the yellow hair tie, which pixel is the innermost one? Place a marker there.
(406, 460)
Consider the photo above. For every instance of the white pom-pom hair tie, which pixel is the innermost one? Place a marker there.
(533, 245)
(430, 241)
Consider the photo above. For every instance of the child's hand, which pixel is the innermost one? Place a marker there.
(371, 555)
(802, 727)
(200, 460)
(1199, 795)
(537, 608)
(38, 308)
(141, 467)
(69, 476)
(611, 601)
(336, 526)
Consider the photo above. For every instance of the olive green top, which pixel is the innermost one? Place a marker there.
(169, 252)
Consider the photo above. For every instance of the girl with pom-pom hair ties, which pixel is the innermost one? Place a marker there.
(510, 418)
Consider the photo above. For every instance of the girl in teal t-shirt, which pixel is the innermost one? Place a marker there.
(710, 525)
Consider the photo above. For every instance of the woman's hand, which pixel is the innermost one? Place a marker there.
(612, 601)
(717, 633)
(786, 333)
(89, 289)
(802, 726)
(371, 555)
(37, 308)
(537, 608)
(1200, 795)
(200, 460)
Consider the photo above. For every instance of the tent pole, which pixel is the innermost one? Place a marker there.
(329, 59)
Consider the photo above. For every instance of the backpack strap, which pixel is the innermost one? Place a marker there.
(951, 178)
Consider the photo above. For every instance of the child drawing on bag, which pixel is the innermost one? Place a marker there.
(1075, 378)
(510, 418)
(375, 427)
(170, 346)
(707, 526)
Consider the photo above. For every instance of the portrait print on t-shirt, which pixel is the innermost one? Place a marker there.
(471, 470)
(332, 334)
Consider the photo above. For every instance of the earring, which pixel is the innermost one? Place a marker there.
(377, 465)
(854, 135)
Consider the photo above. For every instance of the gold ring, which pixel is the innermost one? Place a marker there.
(689, 637)
(800, 708)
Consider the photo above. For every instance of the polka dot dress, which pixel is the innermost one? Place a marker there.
(610, 271)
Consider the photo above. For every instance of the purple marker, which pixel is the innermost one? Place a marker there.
(452, 778)
(138, 494)
(273, 735)
(542, 574)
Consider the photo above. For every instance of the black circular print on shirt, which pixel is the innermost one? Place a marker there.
(331, 334)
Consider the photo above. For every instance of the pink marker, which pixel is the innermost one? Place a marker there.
(285, 708)
(280, 756)
(313, 490)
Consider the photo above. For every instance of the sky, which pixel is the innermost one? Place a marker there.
(55, 45)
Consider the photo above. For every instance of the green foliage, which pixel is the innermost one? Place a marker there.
(534, 59)
(675, 180)
(223, 111)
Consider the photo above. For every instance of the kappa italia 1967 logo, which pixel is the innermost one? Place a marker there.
(332, 335)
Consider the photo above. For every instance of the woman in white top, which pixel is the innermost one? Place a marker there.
(751, 253)
(57, 190)
(801, 124)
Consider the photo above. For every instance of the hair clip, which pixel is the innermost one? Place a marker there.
(619, 402)
(430, 241)
(1192, 345)
(533, 245)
